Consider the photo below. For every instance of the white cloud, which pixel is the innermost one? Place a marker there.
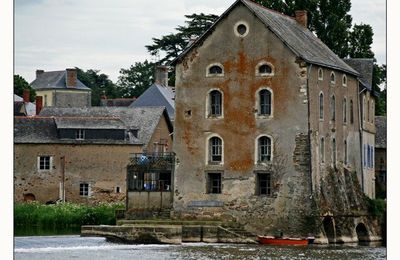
(109, 35)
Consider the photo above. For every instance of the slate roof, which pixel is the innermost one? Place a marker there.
(144, 119)
(35, 130)
(157, 95)
(55, 80)
(365, 68)
(300, 40)
(380, 136)
(117, 102)
(89, 123)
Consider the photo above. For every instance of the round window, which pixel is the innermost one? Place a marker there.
(241, 29)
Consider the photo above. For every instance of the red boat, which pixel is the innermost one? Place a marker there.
(269, 240)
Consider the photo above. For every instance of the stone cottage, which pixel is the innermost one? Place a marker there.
(81, 154)
(267, 129)
(61, 89)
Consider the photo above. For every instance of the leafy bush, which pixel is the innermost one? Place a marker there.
(376, 207)
(64, 214)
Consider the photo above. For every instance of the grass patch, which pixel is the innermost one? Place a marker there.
(64, 214)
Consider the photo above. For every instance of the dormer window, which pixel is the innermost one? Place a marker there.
(215, 70)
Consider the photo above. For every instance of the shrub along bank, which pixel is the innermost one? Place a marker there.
(64, 214)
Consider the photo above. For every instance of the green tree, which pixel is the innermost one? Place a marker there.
(360, 41)
(136, 79)
(100, 85)
(20, 84)
(171, 45)
(379, 79)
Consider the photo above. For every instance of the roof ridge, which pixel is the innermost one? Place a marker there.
(269, 9)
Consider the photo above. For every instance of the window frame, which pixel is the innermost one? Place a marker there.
(210, 148)
(320, 74)
(80, 134)
(211, 75)
(344, 80)
(264, 63)
(84, 192)
(268, 184)
(209, 104)
(321, 106)
(47, 165)
(258, 103)
(258, 154)
(211, 177)
(334, 78)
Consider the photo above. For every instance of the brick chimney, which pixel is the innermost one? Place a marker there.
(38, 72)
(26, 95)
(301, 17)
(162, 75)
(72, 78)
(39, 104)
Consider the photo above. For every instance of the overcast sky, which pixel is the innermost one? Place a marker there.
(110, 35)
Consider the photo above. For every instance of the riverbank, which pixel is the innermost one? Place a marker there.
(38, 219)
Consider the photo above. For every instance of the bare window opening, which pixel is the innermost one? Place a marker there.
(264, 69)
(333, 78)
(321, 106)
(351, 112)
(320, 74)
(213, 70)
(333, 108)
(344, 81)
(188, 113)
(264, 184)
(215, 149)
(322, 150)
(214, 183)
(241, 29)
(345, 153)
(117, 189)
(344, 110)
(334, 151)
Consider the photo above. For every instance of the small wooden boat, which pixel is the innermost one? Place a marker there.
(270, 240)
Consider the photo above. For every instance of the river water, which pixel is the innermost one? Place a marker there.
(76, 247)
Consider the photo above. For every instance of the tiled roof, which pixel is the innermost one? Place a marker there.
(365, 68)
(55, 80)
(145, 119)
(301, 41)
(380, 136)
(157, 95)
(116, 102)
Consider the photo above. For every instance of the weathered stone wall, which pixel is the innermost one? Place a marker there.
(289, 207)
(102, 166)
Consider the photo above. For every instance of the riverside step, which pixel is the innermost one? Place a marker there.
(168, 222)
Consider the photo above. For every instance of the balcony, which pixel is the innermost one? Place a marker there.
(152, 162)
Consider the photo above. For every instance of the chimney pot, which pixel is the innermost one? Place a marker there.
(38, 72)
(39, 104)
(162, 75)
(301, 17)
(72, 78)
(26, 95)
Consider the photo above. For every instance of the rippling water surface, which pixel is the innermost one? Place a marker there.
(75, 247)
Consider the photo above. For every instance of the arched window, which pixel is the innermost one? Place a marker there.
(215, 69)
(264, 149)
(264, 96)
(264, 69)
(344, 80)
(320, 74)
(333, 77)
(215, 103)
(215, 149)
(322, 150)
(344, 110)
(333, 108)
(321, 106)
(351, 112)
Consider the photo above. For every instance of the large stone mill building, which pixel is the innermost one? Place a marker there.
(267, 129)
